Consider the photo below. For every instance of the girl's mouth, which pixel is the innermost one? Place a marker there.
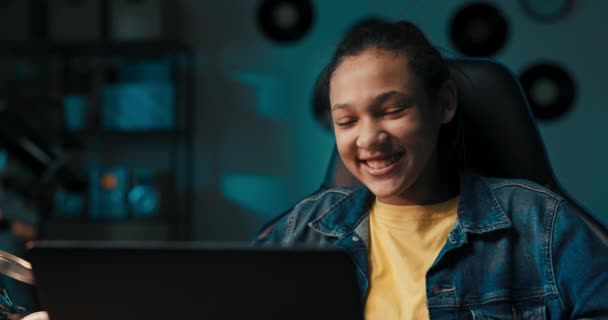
(380, 166)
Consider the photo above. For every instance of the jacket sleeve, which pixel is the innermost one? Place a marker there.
(273, 233)
(579, 262)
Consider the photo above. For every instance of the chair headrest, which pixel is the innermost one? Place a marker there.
(501, 138)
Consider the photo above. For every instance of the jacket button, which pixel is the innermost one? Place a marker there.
(451, 238)
(355, 238)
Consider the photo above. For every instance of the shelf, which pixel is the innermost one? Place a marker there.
(156, 133)
(128, 230)
(130, 48)
(86, 67)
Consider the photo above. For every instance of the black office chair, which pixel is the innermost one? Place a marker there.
(500, 135)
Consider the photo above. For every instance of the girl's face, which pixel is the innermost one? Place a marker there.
(386, 126)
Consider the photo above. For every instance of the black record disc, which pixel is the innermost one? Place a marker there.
(479, 30)
(285, 21)
(547, 11)
(550, 90)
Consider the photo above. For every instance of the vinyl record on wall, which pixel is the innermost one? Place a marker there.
(285, 21)
(550, 90)
(547, 11)
(479, 30)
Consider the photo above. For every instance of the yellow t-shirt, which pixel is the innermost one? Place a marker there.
(404, 243)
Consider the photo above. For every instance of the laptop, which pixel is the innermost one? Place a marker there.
(154, 281)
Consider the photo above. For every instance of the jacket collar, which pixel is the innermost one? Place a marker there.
(478, 210)
(346, 214)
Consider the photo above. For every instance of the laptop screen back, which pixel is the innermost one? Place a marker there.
(193, 281)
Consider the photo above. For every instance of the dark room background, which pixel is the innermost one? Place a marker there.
(232, 139)
(259, 148)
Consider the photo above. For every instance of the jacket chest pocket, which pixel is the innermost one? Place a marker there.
(523, 310)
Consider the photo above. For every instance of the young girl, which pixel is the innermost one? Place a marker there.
(428, 239)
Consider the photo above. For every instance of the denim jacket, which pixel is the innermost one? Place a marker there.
(517, 250)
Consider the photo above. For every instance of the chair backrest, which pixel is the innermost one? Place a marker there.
(501, 138)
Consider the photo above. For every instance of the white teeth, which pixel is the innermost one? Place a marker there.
(379, 164)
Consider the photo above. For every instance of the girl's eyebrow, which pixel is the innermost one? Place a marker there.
(378, 100)
(340, 106)
(383, 97)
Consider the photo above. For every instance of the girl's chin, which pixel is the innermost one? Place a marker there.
(383, 192)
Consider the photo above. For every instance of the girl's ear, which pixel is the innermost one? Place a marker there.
(448, 101)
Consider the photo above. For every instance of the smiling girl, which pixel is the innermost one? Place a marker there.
(430, 240)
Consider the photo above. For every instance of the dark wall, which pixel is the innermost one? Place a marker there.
(259, 148)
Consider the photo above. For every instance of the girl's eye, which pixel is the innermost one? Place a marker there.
(345, 122)
(394, 110)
